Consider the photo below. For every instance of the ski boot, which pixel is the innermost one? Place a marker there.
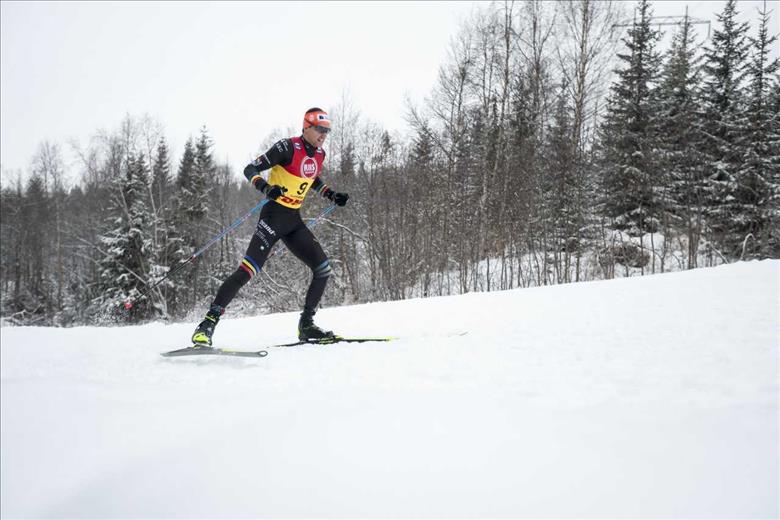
(308, 331)
(202, 335)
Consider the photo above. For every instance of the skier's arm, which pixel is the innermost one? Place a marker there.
(325, 190)
(280, 153)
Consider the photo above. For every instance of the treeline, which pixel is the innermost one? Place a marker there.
(556, 146)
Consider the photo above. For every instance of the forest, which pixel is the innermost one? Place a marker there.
(557, 146)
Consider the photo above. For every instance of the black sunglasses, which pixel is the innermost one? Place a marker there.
(321, 129)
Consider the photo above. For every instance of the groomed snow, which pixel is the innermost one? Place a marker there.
(638, 397)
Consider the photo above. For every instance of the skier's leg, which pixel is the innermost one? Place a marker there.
(264, 238)
(305, 246)
(256, 254)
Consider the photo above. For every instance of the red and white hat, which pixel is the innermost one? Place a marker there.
(316, 117)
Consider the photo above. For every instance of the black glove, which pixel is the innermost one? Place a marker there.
(339, 198)
(272, 191)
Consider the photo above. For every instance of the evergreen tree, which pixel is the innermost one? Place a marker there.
(679, 138)
(758, 178)
(186, 210)
(160, 192)
(630, 173)
(168, 243)
(723, 126)
(161, 176)
(11, 200)
(203, 178)
(347, 161)
(196, 169)
(125, 266)
(561, 186)
(192, 180)
(203, 174)
(180, 244)
(34, 298)
(423, 176)
(422, 154)
(185, 184)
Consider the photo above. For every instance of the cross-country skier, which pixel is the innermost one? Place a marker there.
(295, 165)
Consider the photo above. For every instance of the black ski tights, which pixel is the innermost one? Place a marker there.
(279, 223)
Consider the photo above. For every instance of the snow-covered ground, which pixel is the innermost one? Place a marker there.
(632, 398)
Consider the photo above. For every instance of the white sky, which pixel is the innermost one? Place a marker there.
(241, 68)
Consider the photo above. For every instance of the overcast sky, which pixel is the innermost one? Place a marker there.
(241, 68)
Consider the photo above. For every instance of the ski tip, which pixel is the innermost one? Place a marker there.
(191, 348)
(201, 350)
(348, 339)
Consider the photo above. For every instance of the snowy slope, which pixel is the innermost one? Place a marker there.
(640, 397)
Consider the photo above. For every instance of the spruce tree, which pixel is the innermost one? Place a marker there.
(679, 138)
(203, 179)
(11, 201)
(187, 211)
(723, 127)
(160, 192)
(557, 187)
(203, 175)
(127, 248)
(347, 160)
(758, 177)
(184, 184)
(35, 298)
(161, 176)
(193, 178)
(181, 243)
(629, 169)
(167, 250)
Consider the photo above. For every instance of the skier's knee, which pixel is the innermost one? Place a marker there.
(323, 270)
(247, 269)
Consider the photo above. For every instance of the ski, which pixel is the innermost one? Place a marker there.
(211, 351)
(331, 341)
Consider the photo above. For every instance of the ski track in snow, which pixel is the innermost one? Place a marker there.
(638, 397)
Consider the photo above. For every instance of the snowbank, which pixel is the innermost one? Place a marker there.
(638, 397)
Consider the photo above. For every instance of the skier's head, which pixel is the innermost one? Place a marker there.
(316, 125)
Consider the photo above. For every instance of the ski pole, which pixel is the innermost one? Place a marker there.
(240, 220)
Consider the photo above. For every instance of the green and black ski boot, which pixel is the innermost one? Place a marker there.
(202, 335)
